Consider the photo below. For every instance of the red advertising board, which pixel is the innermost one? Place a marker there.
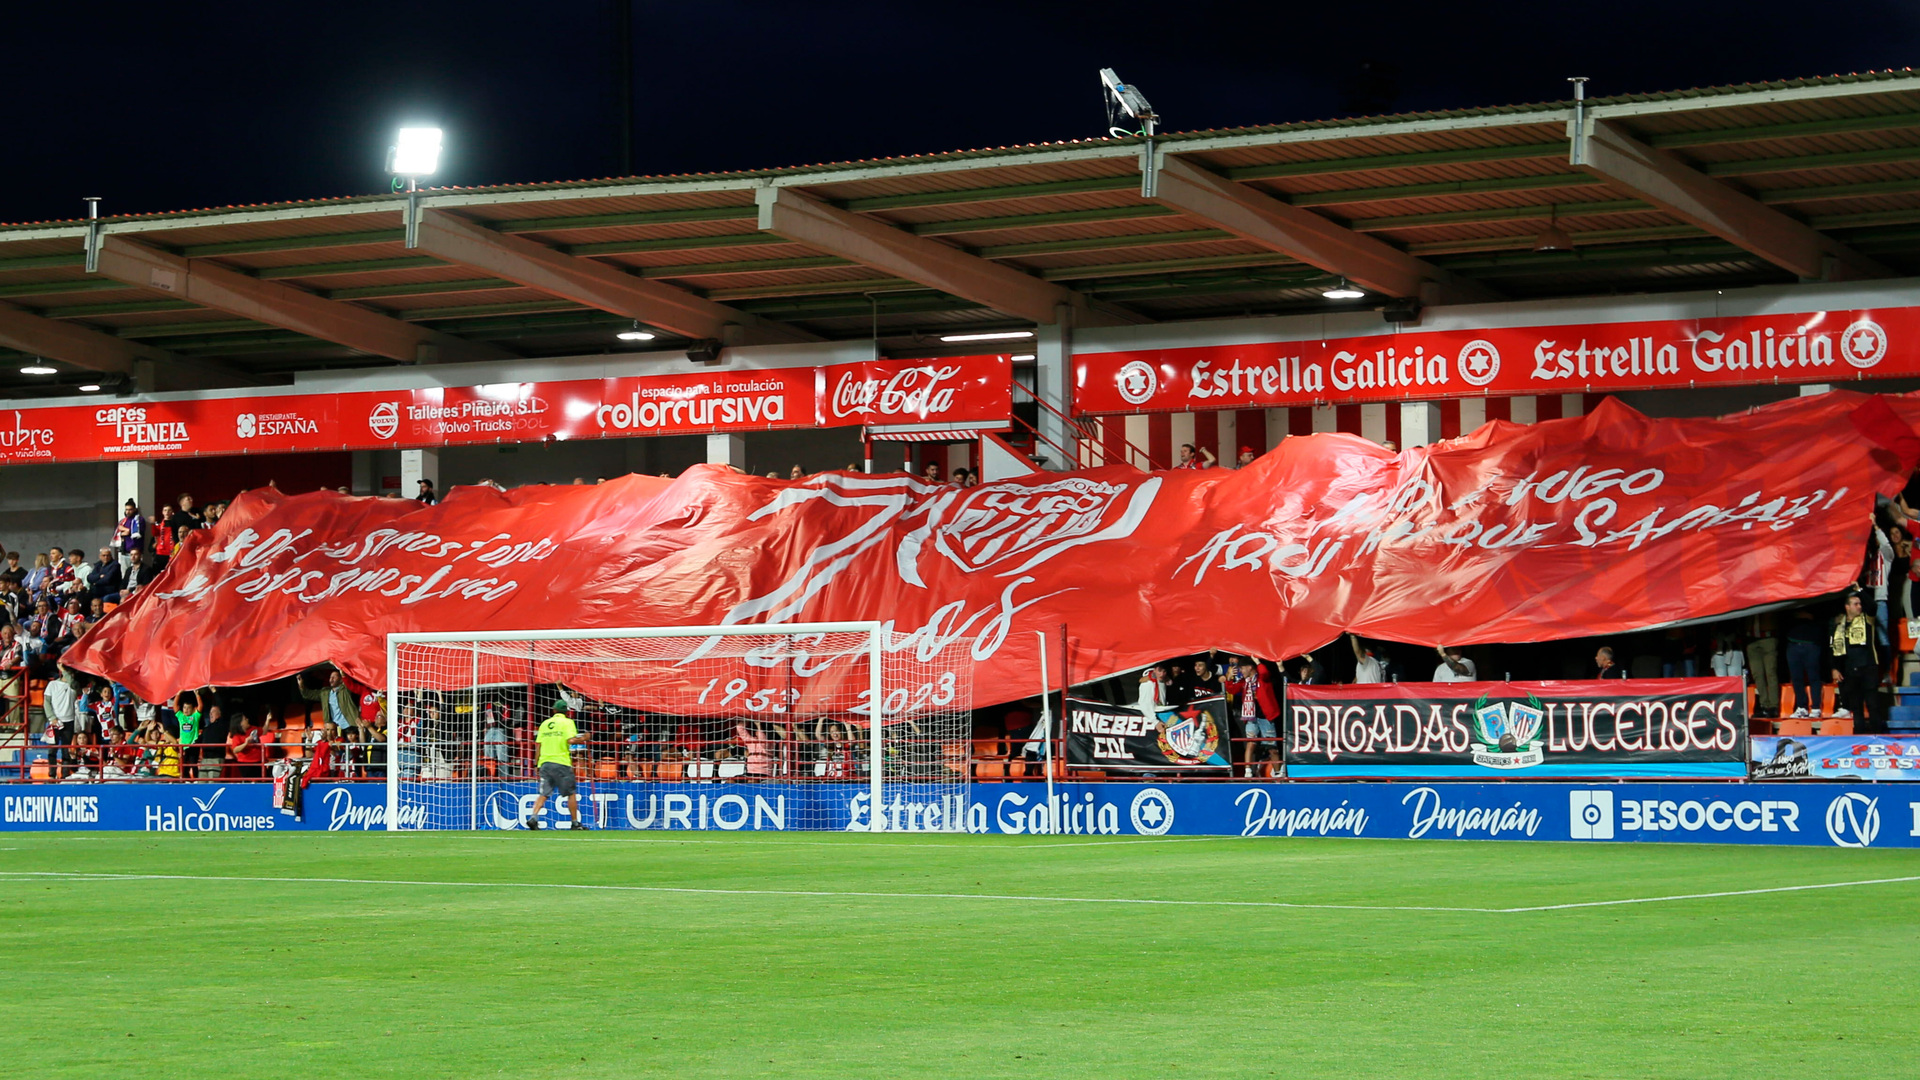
(958, 389)
(1825, 346)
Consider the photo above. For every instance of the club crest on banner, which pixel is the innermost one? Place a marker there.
(1029, 524)
(1188, 738)
(1506, 734)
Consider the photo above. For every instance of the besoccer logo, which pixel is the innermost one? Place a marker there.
(1138, 382)
(1152, 812)
(1590, 815)
(243, 425)
(1853, 820)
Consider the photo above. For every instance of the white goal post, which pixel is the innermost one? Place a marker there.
(801, 725)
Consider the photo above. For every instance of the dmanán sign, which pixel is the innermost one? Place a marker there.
(1615, 728)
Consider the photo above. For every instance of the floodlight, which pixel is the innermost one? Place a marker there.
(39, 369)
(1128, 98)
(88, 388)
(1344, 291)
(998, 335)
(417, 153)
(1017, 357)
(635, 333)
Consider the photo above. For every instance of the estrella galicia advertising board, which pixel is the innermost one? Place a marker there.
(1192, 737)
(1835, 757)
(1848, 815)
(1611, 729)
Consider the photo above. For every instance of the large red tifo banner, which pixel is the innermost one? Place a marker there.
(1827, 346)
(960, 389)
(1604, 523)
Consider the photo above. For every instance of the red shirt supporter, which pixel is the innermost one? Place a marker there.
(320, 757)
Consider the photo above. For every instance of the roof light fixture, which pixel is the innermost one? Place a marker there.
(88, 388)
(635, 333)
(1343, 291)
(416, 152)
(998, 335)
(1019, 357)
(1553, 237)
(39, 369)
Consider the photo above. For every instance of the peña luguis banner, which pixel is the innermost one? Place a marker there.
(1598, 729)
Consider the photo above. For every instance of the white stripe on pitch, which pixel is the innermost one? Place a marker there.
(852, 894)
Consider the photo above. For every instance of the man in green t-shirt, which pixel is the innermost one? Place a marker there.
(557, 737)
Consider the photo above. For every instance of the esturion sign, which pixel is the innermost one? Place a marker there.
(1824, 346)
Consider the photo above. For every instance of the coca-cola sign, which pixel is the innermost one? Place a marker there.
(1820, 346)
(957, 389)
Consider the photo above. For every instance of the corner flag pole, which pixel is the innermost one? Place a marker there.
(1046, 728)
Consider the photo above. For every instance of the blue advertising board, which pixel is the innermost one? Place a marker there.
(1839, 814)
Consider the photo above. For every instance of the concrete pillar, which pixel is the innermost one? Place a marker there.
(364, 480)
(1572, 405)
(418, 465)
(1326, 418)
(1473, 414)
(1137, 435)
(135, 481)
(1373, 422)
(1419, 423)
(1182, 434)
(1053, 379)
(1811, 389)
(724, 449)
(1279, 426)
(1521, 410)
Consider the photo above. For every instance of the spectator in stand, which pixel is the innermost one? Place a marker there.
(796, 473)
(1805, 641)
(184, 519)
(1727, 661)
(214, 513)
(1875, 575)
(107, 578)
(130, 535)
(1308, 670)
(13, 678)
(931, 474)
(59, 575)
(1899, 578)
(1205, 681)
(35, 580)
(336, 698)
(1156, 691)
(165, 539)
(76, 581)
(188, 713)
(1366, 666)
(15, 601)
(1246, 458)
(1454, 667)
(320, 763)
(426, 497)
(1856, 658)
(1195, 458)
(14, 572)
(122, 756)
(1255, 703)
(493, 741)
(1603, 660)
(73, 623)
(61, 704)
(245, 752)
(137, 574)
(1763, 660)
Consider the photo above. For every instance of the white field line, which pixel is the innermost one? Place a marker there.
(825, 894)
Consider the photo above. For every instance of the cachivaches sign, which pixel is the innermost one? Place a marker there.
(1613, 729)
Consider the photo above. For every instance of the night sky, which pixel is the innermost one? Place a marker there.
(163, 107)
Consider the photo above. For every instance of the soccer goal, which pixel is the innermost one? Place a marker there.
(838, 726)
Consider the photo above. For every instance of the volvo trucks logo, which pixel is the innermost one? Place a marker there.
(1864, 343)
(1138, 382)
(1853, 820)
(1479, 362)
(384, 420)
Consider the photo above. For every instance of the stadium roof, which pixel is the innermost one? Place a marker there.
(1752, 184)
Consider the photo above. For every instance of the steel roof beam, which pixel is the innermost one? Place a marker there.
(1760, 166)
(1301, 234)
(595, 284)
(1442, 188)
(869, 242)
(89, 349)
(221, 288)
(1411, 160)
(1796, 130)
(1608, 150)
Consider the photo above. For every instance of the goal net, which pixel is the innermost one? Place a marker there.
(761, 727)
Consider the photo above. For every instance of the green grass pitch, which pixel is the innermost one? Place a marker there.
(731, 955)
